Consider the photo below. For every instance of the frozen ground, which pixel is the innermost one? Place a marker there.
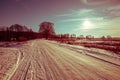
(8, 59)
(49, 60)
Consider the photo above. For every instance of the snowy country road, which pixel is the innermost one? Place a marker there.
(45, 60)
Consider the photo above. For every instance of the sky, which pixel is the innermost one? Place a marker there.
(80, 17)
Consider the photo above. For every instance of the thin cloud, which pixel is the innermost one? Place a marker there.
(84, 1)
(63, 15)
(76, 12)
(101, 2)
(76, 15)
(80, 19)
(95, 2)
(114, 11)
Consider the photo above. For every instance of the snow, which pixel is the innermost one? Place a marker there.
(50, 60)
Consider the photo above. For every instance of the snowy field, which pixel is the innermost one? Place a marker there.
(51, 60)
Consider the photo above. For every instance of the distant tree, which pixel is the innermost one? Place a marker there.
(73, 35)
(67, 35)
(109, 37)
(19, 28)
(16, 30)
(81, 37)
(103, 37)
(88, 37)
(47, 29)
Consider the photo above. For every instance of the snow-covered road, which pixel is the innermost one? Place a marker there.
(45, 60)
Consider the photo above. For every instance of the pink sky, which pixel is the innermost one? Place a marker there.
(67, 15)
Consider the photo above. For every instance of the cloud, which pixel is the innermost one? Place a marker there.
(101, 2)
(63, 15)
(84, 1)
(83, 19)
(106, 18)
(85, 11)
(114, 11)
(114, 23)
(97, 1)
(108, 27)
(94, 2)
(81, 15)
(76, 12)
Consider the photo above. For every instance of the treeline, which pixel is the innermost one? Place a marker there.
(16, 36)
(16, 32)
(69, 38)
(104, 42)
(19, 32)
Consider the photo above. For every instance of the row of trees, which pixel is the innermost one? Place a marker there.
(46, 30)
(15, 32)
(18, 32)
(16, 28)
(80, 36)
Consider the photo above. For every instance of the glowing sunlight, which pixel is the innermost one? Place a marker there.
(87, 25)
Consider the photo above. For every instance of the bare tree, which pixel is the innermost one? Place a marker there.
(47, 29)
(18, 28)
(109, 37)
(103, 37)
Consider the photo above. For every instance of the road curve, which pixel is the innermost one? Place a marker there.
(43, 60)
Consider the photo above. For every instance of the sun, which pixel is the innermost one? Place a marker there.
(87, 24)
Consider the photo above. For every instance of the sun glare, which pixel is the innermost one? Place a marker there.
(87, 24)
